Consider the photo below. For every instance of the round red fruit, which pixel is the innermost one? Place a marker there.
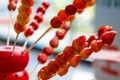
(42, 58)
(61, 33)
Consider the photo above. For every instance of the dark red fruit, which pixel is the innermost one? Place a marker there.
(19, 75)
(54, 42)
(103, 29)
(91, 38)
(62, 71)
(61, 33)
(79, 44)
(70, 9)
(68, 52)
(45, 4)
(60, 60)
(62, 15)
(85, 53)
(29, 32)
(38, 17)
(12, 6)
(48, 50)
(75, 61)
(12, 63)
(108, 37)
(96, 45)
(42, 58)
(41, 9)
(34, 24)
(55, 22)
(79, 4)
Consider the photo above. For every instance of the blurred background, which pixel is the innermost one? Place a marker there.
(105, 12)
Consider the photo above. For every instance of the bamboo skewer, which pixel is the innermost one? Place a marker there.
(10, 23)
(34, 69)
(26, 41)
(39, 39)
(15, 44)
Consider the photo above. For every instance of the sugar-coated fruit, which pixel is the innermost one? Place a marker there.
(91, 38)
(42, 58)
(12, 6)
(102, 29)
(61, 33)
(69, 52)
(86, 52)
(53, 66)
(29, 32)
(63, 70)
(108, 37)
(46, 4)
(24, 11)
(79, 43)
(19, 28)
(54, 42)
(23, 20)
(12, 63)
(74, 62)
(27, 3)
(62, 15)
(48, 50)
(55, 22)
(45, 73)
(34, 24)
(96, 45)
(41, 9)
(61, 59)
(38, 17)
(70, 9)
(79, 4)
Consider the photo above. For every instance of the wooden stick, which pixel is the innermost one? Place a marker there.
(15, 44)
(26, 41)
(8, 37)
(39, 38)
(34, 69)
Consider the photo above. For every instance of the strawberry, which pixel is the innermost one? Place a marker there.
(96, 45)
(79, 43)
(75, 61)
(63, 70)
(61, 59)
(86, 52)
(103, 29)
(108, 37)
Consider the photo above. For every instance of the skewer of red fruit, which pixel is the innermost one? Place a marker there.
(38, 18)
(79, 50)
(11, 8)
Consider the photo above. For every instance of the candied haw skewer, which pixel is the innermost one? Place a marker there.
(54, 42)
(38, 18)
(83, 53)
(60, 61)
(58, 20)
(22, 20)
(11, 8)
